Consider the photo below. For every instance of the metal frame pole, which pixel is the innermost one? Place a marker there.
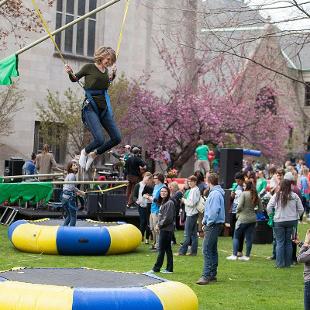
(100, 8)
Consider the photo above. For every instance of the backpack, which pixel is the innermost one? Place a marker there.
(201, 205)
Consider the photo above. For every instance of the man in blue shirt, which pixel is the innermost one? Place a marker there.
(29, 167)
(214, 218)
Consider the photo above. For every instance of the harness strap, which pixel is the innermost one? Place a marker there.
(89, 93)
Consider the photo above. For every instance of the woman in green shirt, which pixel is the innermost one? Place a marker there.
(97, 112)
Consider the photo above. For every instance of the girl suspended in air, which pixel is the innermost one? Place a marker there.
(97, 111)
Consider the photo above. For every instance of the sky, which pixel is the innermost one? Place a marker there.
(280, 14)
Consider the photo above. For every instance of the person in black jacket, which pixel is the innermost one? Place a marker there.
(141, 188)
(166, 218)
(133, 166)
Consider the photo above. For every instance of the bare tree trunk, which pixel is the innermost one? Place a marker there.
(185, 155)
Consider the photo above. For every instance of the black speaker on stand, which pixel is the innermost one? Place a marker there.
(230, 164)
(14, 166)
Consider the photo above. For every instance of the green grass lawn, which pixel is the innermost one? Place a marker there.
(255, 284)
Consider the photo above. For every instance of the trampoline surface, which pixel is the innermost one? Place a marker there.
(91, 289)
(79, 223)
(79, 277)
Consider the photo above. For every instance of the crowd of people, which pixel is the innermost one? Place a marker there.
(280, 194)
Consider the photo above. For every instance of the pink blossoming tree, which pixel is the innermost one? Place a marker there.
(219, 108)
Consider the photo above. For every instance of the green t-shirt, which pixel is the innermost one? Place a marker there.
(202, 152)
(261, 184)
(95, 79)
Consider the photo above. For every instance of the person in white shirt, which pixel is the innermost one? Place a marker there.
(191, 211)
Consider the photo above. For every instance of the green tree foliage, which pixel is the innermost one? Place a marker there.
(60, 118)
(120, 93)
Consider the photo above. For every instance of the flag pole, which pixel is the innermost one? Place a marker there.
(3, 2)
(100, 8)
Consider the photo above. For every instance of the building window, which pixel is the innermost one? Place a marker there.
(58, 149)
(80, 38)
(307, 94)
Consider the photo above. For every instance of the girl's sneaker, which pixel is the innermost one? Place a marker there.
(83, 159)
(244, 258)
(91, 157)
(166, 271)
(232, 257)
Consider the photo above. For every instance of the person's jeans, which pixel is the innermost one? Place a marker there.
(70, 209)
(247, 230)
(232, 221)
(274, 244)
(284, 249)
(307, 295)
(209, 250)
(143, 215)
(94, 122)
(164, 247)
(190, 234)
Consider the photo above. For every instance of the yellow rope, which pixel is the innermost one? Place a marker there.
(107, 189)
(44, 24)
(122, 28)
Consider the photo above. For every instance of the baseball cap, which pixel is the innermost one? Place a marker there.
(289, 176)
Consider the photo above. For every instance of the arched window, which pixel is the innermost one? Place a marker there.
(266, 100)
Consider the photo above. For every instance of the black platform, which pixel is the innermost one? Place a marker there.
(131, 214)
(79, 277)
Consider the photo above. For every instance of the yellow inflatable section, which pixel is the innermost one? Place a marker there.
(175, 295)
(35, 238)
(124, 238)
(25, 296)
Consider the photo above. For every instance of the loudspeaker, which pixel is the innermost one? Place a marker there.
(227, 202)
(92, 204)
(263, 233)
(230, 164)
(113, 204)
(14, 166)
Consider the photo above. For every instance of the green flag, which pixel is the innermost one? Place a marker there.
(8, 68)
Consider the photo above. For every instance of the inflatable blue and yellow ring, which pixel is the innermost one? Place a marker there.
(165, 295)
(64, 240)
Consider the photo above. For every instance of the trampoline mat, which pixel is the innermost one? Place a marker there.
(80, 277)
(55, 222)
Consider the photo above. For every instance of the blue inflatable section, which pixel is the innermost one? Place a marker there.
(115, 299)
(83, 240)
(252, 152)
(13, 226)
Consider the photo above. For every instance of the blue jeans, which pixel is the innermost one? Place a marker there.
(274, 244)
(247, 230)
(190, 234)
(209, 250)
(307, 296)
(70, 208)
(284, 249)
(94, 122)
